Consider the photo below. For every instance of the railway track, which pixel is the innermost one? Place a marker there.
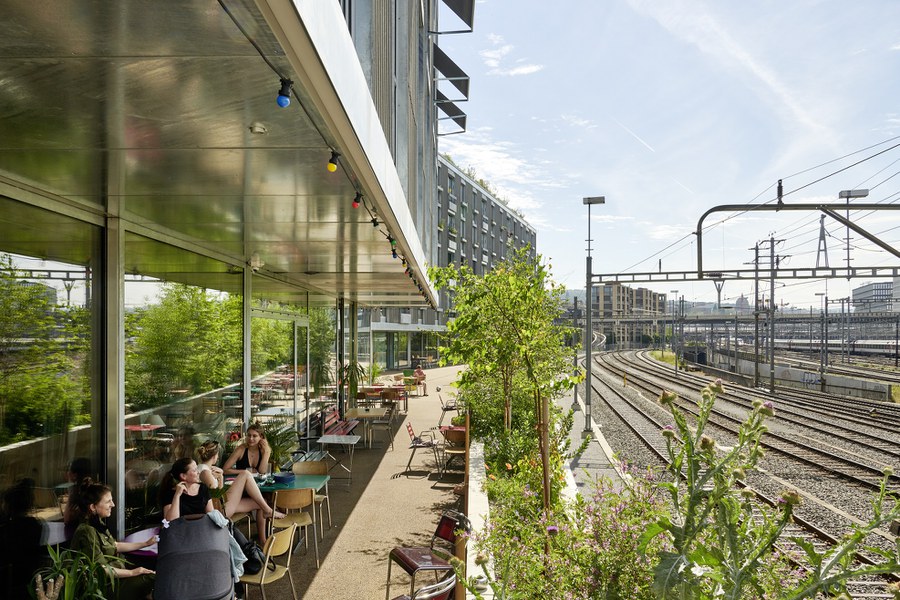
(644, 420)
(843, 461)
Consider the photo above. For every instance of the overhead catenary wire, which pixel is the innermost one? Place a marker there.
(689, 236)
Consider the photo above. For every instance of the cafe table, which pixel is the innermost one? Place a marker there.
(300, 482)
(367, 415)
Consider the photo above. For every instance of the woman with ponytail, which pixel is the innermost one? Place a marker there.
(184, 493)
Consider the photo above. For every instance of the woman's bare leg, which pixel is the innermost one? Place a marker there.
(235, 500)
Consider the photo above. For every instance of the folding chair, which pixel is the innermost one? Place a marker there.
(293, 502)
(387, 423)
(415, 559)
(420, 441)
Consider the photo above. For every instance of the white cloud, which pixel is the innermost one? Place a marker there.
(494, 59)
(685, 21)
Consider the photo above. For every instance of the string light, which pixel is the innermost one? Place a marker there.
(284, 94)
(356, 200)
(374, 221)
(333, 161)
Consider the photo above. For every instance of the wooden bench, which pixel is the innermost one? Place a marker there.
(332, 424)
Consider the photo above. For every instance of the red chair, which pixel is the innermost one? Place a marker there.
(415, 559)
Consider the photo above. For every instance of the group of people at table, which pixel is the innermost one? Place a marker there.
(184, 491)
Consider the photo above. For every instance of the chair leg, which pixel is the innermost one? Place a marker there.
(411, 456)
(387, 592)
(293, 589)
(316, 542)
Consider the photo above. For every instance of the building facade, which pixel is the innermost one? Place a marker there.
(876, 297)
(474, 229)
(236, 166)
(628, 317)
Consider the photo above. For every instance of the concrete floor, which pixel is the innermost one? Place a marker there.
(381, 508)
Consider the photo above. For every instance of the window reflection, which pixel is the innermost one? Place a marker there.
(46, 402)
(182, 386)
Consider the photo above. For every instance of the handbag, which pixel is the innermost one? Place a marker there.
(255, 558)
(252, 552)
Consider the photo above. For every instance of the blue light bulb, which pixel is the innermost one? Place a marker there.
(284, 93)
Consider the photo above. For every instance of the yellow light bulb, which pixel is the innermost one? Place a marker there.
(331, 167)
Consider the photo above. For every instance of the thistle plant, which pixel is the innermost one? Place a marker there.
(723, 544)
(717, 542)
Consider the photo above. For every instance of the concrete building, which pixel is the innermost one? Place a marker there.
(629, 317)
(876, 297)
(279, 153)
(474, 229)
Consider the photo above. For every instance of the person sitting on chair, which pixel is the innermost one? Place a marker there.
(92, 537)
(184, 493)
(419, 374)
(252, 454)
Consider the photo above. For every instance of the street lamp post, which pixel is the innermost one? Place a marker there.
(822, 348)
(589, 325)
(674, 321)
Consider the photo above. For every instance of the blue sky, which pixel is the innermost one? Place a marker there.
(669, 108)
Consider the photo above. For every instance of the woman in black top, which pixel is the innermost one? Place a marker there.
(253, 454)
(182, 493)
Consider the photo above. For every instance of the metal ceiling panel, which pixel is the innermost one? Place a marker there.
(165, 110)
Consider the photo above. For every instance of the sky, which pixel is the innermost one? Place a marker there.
(670, 108)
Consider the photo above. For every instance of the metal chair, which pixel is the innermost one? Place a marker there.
(293, 502)
(436, 591)
(421, 441)
(415, 559)
(316, 467)
(278, 544)
(448, 406)
(387, 424)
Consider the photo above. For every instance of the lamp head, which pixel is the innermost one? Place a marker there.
(284, 94)
(356, 200)
(333, 161)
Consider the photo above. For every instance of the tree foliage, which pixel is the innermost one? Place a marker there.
(504, 332)
(43, 360)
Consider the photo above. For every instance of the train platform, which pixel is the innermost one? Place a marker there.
(597, 459)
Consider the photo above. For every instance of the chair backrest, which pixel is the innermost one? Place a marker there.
(451, 521)
(437, 591)
(310, 467)
(294, 499)
(409, 429)
(280, 543)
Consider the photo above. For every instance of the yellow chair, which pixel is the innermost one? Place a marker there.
(278, 544)
(316, 467)
(292, 502)
(236, 517)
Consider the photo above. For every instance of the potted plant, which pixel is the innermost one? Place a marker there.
(352, 374)
(373, 372)
(282, 440)
(83, 577)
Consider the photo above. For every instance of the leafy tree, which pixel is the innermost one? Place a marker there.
(504, 331)
(43, 366)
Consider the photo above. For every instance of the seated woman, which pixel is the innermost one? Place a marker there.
(182, 493)
(419, 374)
(93, 505)
(253, 454)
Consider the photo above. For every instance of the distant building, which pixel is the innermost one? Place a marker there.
(627, 316)
(874, 298)
(474, 229)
